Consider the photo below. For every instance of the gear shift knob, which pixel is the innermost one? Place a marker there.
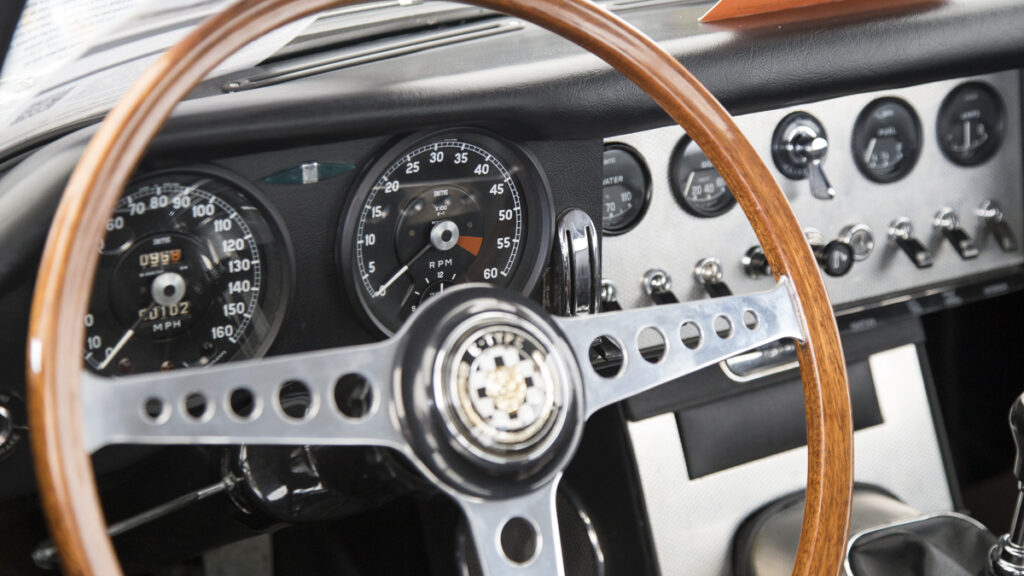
(1007, 557)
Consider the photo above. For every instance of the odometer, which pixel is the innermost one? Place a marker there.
(191, 273)
(438, 211)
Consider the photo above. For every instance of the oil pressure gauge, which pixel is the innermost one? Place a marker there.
(886, 140)
(971, 124)
(698, 187)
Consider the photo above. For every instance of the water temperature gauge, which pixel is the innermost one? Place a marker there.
(886, 140)
(626, 189)
(971, 124)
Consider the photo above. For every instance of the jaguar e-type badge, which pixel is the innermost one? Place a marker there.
(503, 389)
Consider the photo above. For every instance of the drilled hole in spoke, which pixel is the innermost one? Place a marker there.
(690, 335)
(519, 540)
(155, 410)
(750, 320)
(295, 399)
(606, 356)
(196, 406)
(652, 345)
(353, 395)
(243, 403)
(722, 327)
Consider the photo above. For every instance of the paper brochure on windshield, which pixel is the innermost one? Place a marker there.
(71, 60)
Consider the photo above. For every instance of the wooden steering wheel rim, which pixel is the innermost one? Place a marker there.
(64, 469)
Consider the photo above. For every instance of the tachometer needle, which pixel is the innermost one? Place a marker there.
(384, 288)
(124, 338)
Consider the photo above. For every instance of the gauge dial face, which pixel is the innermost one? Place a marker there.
(971, 124)
(886, 140)
(439, 211)
(626, 188)
(186, 270)
(696, 184)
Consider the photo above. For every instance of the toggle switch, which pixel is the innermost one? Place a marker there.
(708, 273)
(995, 221)
(947, 222)
(799, 148)
(901, 231)
(658, 285)
(609, 297)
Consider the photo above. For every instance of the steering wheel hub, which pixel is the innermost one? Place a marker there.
(504, 387)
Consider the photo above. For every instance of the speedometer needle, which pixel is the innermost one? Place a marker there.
(124, 338)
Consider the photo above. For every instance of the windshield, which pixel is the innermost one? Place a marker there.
(71, 60)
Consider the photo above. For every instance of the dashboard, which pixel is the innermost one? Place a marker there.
(320, 212)
(199, 266)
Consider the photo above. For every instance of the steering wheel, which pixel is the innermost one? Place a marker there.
(468, 355)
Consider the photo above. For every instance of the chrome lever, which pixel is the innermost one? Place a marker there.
(576, 266)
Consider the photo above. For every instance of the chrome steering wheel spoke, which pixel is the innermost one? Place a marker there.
(516, 536)
(341, 397)
(483, 391)
(694, 334)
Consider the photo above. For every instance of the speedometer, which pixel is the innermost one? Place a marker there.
(440, 210)
(193, 271)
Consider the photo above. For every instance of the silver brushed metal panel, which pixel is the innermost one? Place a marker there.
(693, 521)
(673, 240)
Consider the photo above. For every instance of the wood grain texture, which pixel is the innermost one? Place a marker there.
(56, 332)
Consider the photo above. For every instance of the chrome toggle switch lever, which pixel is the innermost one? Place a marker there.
(799, 148)
(814, 149)
(901, 232)
(576, 266)
(1007, 557)
(609, 297)
(992, 215)
(947, 222)
(708, 273)
(658, 285)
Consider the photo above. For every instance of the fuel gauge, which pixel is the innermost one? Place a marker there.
(886, 140)
(971, 124)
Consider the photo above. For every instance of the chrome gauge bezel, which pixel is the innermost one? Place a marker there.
(645, 200)
(902, 123)
(535, 195)
(952, 103)
(270, 236)
(685, 151)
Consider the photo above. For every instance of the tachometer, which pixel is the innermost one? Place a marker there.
(441, 210)
(193, 271)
